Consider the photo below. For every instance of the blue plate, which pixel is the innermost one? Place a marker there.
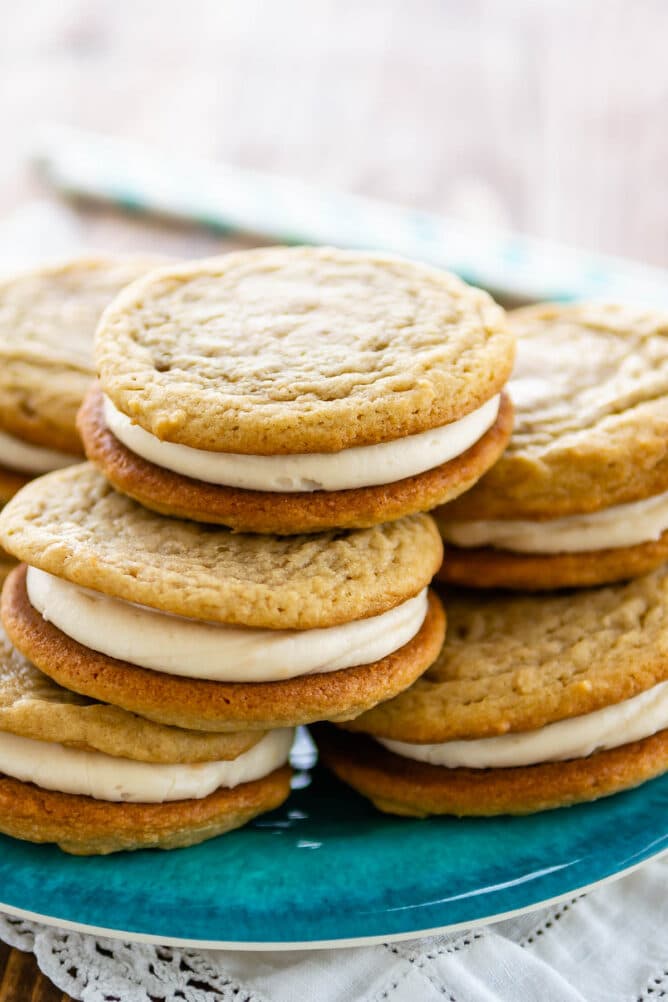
(328, 869)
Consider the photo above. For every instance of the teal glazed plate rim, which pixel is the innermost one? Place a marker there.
(327, 869)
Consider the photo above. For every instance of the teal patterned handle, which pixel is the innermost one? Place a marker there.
(233, 199)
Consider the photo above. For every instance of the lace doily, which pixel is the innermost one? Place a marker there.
(607, 946)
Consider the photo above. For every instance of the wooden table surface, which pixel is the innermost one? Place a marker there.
(21, 980)
(546, 117)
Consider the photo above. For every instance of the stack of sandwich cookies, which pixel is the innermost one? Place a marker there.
(580, 497)
(278, 392)
(48, 318)
(97, 779)
(290, 390)
(206, 629)
(534, 703)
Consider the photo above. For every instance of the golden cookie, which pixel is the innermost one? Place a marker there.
(590, 389)
(484, 567)
(533, 703)
(580, 497)
(84, 826)
(199, 704)
(74, 525)
(515, 664)
(173, 494)
(47, 321)
(400, 785)
(33, 706)
(300, 350)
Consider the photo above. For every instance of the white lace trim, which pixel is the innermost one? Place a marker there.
(94, 969)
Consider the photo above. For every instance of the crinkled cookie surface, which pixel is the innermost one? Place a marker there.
(73, 524)
(295, 350)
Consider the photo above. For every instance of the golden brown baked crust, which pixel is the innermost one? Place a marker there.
(261, 511)
(512, 663)
(73, 524)
(221, 706)
(34, 706)
(485, 567)
(302, 349)
(47, 321)
(403, 786)
(87, 827)
(590, 389)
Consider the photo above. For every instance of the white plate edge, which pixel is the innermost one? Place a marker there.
(323, 944)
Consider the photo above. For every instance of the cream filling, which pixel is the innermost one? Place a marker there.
(193, 649)
(93, 774)
(24, 457)
(362, 466)
(577, 737)
(621, 525)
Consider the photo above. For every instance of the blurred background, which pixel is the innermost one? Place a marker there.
(545, 117)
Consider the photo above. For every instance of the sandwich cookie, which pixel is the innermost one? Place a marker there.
(48, 318)
(580, 497)
(207, 629)
(534, 703)
(290, 390)
(96, 779)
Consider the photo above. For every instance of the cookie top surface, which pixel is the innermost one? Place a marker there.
(297, 350)
(48, 318)
(33, 706)
(73, 524)
(516, 664)
(590, 389)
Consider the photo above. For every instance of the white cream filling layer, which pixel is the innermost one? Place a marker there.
(193, 649)
(577, 737)
(92, 774)
(24, 457)
(621, 525)
(362, 466)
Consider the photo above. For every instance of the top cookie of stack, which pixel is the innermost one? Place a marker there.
(290, 390)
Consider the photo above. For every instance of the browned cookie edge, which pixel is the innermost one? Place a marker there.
(200, 704)
(172, 494)
(83, 826)
(486, 567)
(400, 785)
